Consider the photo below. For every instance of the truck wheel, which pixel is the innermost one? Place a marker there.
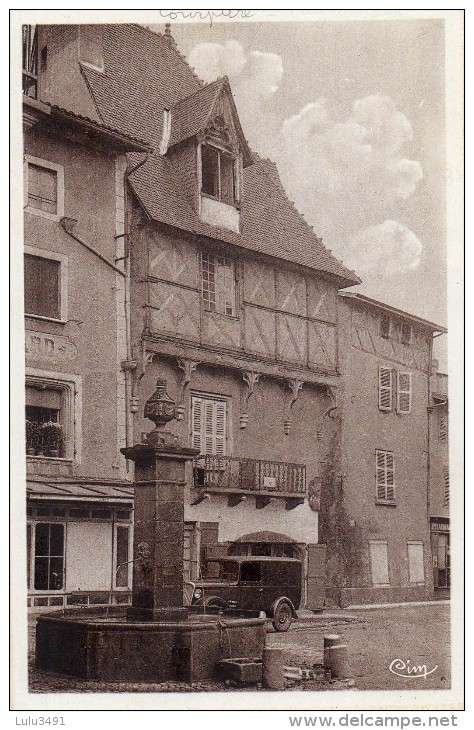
(215, 602)
(282, 617)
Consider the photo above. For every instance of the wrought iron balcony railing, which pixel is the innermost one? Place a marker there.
(267, 479)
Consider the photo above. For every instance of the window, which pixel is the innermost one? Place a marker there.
(42, 287)
(446, 484)
(385, 476)
(209, 425)
(53, 415)
(49, 557)
(379, 562)
(44, 188)
(218, 174)
(385, 326)
(403, 392)
(251, 572)
(405, 332)
(218, 284)
(385, 389)
(416, 569)
(90, 46)
(394, 387)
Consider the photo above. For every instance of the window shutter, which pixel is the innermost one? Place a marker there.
(403, 392)
(220, 427)
(385, 389)
(446, 485)
(443, 426)
(196, 423)
(209, 426)
(385, 476)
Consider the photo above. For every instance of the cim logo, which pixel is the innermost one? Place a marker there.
(405, 669)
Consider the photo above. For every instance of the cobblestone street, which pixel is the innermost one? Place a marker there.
(376, 637)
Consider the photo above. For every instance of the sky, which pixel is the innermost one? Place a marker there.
(353, 114)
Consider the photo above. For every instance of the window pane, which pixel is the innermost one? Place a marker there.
(28, 554)
(56, 540)
(41, 574)
(122, 557)
(42, 539)
(56, 574)
(227, 179)
(210, 171)
(42, 286)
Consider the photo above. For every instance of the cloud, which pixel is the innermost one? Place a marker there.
(211, 60)
(384, 250)
(349, 174)
(256, 74)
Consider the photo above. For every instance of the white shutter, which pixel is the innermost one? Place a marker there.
(389, 476)
(385, 389)
(209, 425)
(220, 427)
(196, 418)
(443, 426)
(208, 435)
(403, 392)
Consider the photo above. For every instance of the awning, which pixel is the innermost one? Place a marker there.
(266, 536)
(79, 491)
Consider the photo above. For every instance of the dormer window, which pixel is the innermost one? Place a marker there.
(218, 174)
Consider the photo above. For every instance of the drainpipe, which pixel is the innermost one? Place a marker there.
(129, 366)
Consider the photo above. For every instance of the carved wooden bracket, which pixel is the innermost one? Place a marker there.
(187, 367)
(332, 393)
(250, 379)
(295, 387)
(137, 375)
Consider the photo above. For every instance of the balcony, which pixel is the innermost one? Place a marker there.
(240, 479)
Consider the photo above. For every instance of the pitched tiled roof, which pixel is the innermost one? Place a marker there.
(189, 115)
(145, 74)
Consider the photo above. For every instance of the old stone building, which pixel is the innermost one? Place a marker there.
(186, 261)
(376, 494)
(79, 499)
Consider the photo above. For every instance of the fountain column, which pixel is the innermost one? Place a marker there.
(157, 592)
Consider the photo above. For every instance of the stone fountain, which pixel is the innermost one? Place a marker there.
(156, 639)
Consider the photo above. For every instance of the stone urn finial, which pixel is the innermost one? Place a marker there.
(160, 408)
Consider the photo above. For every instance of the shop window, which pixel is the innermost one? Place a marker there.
(416, 569)
(218, 174)
(49, 556)
(218, 284)
(385, 476)
(44, 188)
(379, 562)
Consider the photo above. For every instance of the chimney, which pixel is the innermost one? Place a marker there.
(168, 37)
